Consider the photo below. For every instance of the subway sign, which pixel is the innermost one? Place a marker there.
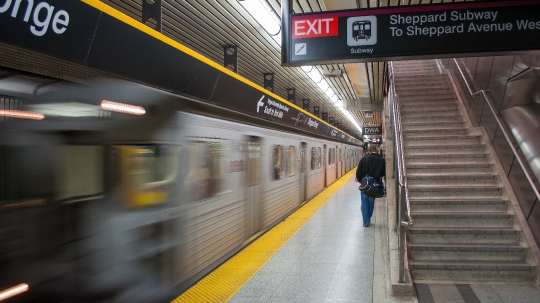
(406, 32)
(372, 130)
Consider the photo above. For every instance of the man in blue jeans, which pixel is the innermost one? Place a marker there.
(373, 165)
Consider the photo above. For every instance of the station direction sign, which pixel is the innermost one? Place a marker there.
(372, 130)
(375, 140)
(407, 32)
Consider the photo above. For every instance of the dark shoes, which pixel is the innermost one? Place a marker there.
(366, 225)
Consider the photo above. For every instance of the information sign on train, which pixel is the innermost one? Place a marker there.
(406, 32)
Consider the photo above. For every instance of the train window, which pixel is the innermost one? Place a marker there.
(319, 157)
(208, 168)
(254, 164)
(339, 153)
(277, 162)
(292, 161)
(146, 172)
(80, 173)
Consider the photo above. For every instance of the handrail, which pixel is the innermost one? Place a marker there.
(401, 164)
(403, 204)
(509, 138)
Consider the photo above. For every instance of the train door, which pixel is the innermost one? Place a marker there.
(253, 194)
(335, 161)
(325, 166)
(303, 179)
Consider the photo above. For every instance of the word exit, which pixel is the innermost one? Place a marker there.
(313, 28)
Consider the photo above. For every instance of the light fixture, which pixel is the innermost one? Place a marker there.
(122, 108)
(10, 292)
(324, 86)
(69, 110)
(21, 114)
(262, 15)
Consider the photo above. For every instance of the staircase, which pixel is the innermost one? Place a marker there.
(465, 227)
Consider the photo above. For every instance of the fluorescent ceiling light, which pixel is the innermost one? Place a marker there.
(260, 13)
(21, 114)
(122, 108)
(324, 86)
(315, 75)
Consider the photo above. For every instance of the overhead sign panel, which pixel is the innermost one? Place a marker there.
(376, 140)
(422, 31)
(372, 130)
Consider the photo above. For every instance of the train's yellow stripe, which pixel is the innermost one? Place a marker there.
(221, 284)
(159, 36)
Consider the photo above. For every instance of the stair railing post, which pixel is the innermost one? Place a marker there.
(401, 236)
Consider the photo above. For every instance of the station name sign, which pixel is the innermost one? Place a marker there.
(372, 130)
(405, 32)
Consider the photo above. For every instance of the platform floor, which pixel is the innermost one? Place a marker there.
(329, 260)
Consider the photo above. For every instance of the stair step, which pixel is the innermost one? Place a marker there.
(446, 165)
(464, 230)
(467, 204)
(471, 265)
(429, 94)
(453, 188)
(446, 155)
(433, 117)
(420, 176)
(456, 201)
(425, 98)
(442, 103)
(431, 112)
(463, 218)
(441, 122)
(496, 247)
(406, 110)
(461, 214)
(445, 137)
(454, 145)
(434, 130)
(448, 168)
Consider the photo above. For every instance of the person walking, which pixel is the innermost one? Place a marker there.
(373, 165)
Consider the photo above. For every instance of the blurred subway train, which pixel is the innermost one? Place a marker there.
(100, 206)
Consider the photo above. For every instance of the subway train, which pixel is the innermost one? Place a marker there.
(101, 206)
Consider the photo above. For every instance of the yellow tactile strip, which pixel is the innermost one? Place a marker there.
(221, 284)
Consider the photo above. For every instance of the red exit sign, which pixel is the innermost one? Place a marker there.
(315, 27)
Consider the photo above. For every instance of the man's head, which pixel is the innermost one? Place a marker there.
(372, 149)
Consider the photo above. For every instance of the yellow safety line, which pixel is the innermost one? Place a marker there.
(149, 31)
(225, 281)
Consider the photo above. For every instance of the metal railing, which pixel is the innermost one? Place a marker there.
(403, 206)
(508, 136)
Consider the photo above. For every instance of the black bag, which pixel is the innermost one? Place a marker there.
(372, 188)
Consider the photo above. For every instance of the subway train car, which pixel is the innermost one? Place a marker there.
(112, 207)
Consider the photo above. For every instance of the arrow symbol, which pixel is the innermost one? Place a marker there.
(260, 103)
